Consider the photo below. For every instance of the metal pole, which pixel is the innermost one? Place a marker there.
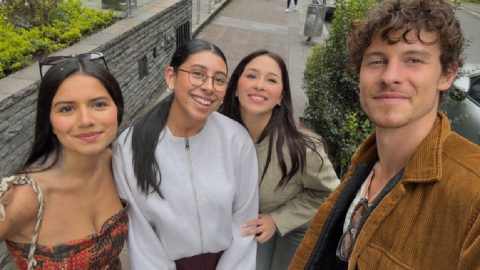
(198, 11)
(129, 8)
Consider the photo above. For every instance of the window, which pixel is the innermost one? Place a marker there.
(183, 33)
(474, 91)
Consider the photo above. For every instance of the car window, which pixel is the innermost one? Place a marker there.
(474, 91)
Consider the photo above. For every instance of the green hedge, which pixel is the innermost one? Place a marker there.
(20, 46)
(333, 108)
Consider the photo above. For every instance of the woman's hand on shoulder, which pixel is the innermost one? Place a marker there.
(21, 207)
(264, 228)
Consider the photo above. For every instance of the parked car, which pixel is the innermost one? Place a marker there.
(463, 108)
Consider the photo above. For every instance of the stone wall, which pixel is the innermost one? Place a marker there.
(137, 50)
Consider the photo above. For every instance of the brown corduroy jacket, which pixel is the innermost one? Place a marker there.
(429, 220)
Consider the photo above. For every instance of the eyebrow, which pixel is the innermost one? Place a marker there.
(204, 67)
(409, 52)
(417, 52)
(68, 102)
(269, 73)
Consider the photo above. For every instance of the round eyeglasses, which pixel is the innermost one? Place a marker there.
(198, 77)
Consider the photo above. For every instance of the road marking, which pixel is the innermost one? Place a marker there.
(474, 13)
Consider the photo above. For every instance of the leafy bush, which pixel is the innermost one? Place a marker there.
(333, 108)
(27, 13)
(55, 25)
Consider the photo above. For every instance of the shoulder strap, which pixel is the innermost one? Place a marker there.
(5, 186)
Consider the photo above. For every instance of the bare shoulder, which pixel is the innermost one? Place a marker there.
(20, 205)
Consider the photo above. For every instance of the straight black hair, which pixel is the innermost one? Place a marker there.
(45, 142)
(281, 124)
(146, 130)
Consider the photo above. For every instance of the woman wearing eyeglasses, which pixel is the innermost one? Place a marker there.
(295, 174)
(62, 210)
(189, 173)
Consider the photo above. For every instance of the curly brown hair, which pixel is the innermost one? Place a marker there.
(408, 15)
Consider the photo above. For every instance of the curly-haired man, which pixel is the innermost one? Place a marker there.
(411, 198)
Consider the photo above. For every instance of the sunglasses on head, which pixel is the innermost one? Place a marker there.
(53, 60)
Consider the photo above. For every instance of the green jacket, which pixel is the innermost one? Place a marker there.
(429, 220)
(295, 204)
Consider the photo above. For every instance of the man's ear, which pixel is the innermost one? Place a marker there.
(170, 77)
(447, 79)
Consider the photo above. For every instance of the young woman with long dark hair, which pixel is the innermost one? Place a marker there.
(61, 210)
(189, 173)
(295, 174)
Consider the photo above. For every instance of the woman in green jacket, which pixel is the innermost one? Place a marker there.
(295, 174)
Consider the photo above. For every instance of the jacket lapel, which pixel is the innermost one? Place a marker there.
(324, 253)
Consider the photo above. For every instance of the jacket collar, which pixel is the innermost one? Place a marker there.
(424, 165)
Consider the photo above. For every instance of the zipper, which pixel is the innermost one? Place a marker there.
(195, 199)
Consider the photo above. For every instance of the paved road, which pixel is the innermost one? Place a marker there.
(469, 16)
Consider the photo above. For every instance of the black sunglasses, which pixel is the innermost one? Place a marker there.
(347, 241)
(53, 60)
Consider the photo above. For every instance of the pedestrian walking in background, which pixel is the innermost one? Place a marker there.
(288, 6)
(411, 197)
(189, 173)
(295, 174)
(61, 209)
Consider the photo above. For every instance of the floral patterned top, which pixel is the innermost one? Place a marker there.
(99, 251)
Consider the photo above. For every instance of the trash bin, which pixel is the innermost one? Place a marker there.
(314, 20)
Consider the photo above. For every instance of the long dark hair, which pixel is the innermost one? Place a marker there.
(45, 142)
(147, 129)
(281, 124)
